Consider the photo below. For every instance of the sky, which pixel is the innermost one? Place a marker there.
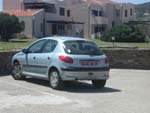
(131, 1)
(0, 5)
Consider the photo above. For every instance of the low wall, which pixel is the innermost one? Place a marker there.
(129, 59)
(5, 62)
(122, 59)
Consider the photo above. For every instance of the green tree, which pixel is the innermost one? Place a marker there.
(9, 25)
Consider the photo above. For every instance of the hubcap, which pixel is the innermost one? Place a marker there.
(54, 79)
(17, 71)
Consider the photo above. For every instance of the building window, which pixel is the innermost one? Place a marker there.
(99, 29)
(113, 23)
(131, 12)
(100, 13)
(68, 13)
(94, 12)
(126, 13)
(118, 13)
(62, 11)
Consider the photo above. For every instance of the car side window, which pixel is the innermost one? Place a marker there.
(37, 47)
(49, 46)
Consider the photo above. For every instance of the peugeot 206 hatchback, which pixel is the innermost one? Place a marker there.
(60, 59)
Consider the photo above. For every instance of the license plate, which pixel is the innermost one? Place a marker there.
(90, 73)
(89, 63)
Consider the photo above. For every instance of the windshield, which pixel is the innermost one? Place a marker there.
(81, 47)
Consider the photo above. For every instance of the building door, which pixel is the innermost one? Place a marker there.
(61, 29)
(99, 29)
(54, 29)
(58, 29)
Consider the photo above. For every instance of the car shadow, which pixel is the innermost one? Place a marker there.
(84, 87)
(5, 74)
(19, 41)
(37, 81)
(76, 87)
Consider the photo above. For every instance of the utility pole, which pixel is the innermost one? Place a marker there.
(21, 2)
(121, 13)
(89, 20)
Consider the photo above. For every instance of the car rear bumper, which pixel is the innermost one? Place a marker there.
(69, 74)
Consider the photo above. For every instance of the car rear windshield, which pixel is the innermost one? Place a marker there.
(81, 47)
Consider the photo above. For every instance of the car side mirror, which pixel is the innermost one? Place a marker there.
(25, 51)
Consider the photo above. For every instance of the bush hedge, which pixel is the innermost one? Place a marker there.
(124, 33)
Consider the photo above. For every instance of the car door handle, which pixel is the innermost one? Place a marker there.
(34, 57)
(48, 58)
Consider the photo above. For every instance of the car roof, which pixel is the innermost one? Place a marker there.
(64, 38)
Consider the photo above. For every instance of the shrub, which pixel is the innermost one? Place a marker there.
(21, 36)
(124, 33)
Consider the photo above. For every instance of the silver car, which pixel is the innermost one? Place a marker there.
(60, 59)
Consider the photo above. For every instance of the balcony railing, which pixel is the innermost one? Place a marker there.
(99, 20)
(40, 1)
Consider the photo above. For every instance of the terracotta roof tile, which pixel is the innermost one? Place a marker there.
(21, 12)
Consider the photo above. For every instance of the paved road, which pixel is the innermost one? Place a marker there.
(127, 91)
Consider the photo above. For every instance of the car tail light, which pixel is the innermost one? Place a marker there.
(66, 59)
(106, 60)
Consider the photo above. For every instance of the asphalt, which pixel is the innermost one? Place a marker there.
(127, 91)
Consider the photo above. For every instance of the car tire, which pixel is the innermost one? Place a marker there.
(98, 83)
(55, 80)
(16, 72)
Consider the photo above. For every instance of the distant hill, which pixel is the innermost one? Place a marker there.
(143, 11)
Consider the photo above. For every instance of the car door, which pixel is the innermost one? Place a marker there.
(33, 62)
(47, 53)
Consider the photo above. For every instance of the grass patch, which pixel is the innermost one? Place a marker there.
(15, 44)
(139, 45)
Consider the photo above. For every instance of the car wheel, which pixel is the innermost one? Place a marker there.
(55, 80)
(98, 83)
(16, 72)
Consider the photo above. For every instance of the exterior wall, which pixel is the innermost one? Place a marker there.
(48, 28)
(96, 21)
(12, 5)
(33, 24)
(28, 25)
(80, 13)
(57, 17)
(110, 12)
(83, 13)
(39, 24)
(129, 17)
(108, 9)
(118, 18)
